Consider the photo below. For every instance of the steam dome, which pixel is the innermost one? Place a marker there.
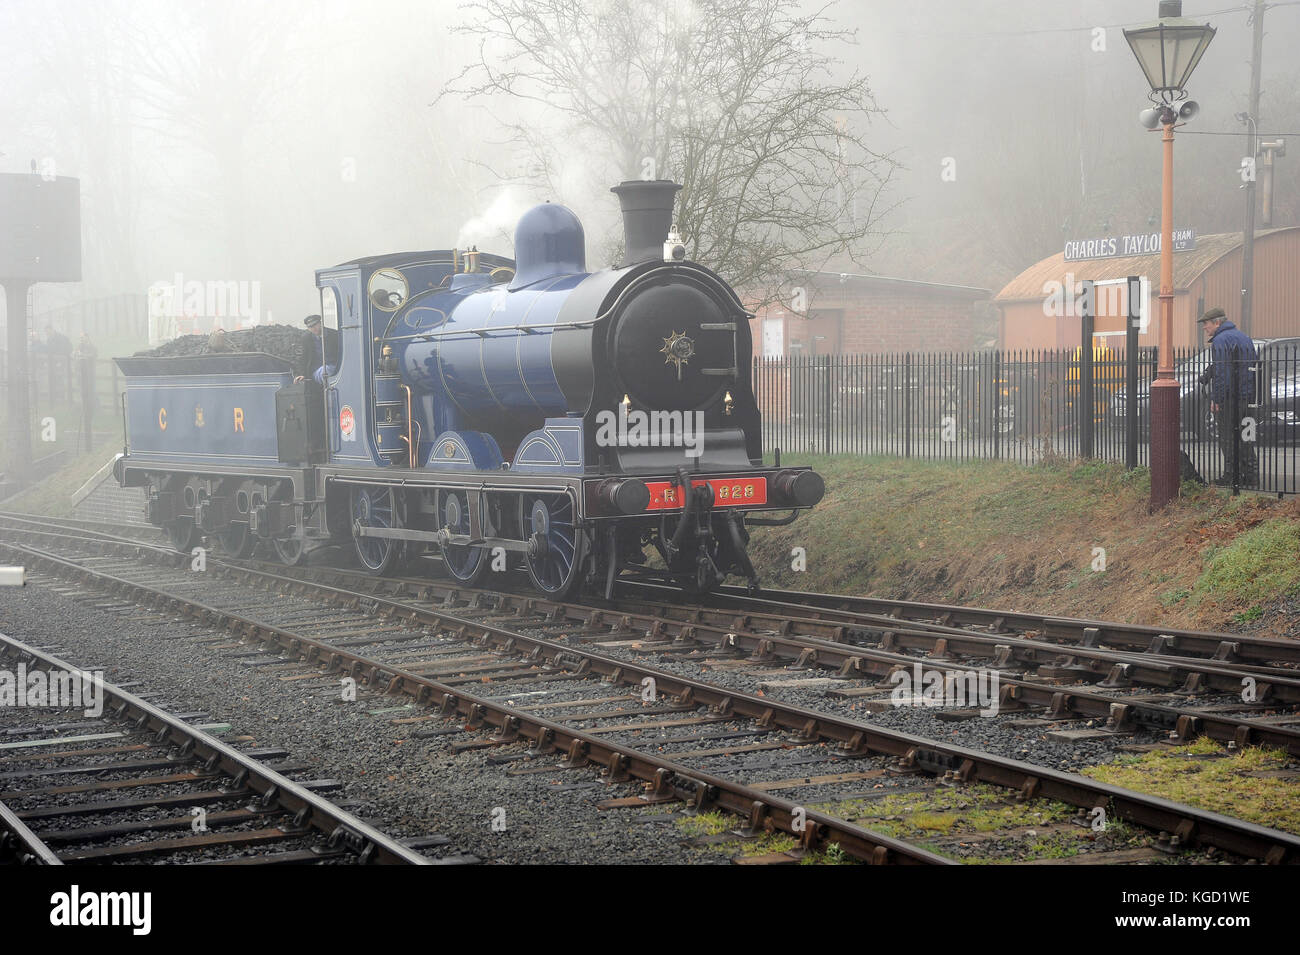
(549, 241)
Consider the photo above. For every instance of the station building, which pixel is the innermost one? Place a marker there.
(850, 314)
(1205, 276)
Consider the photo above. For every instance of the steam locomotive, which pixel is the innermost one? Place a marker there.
(491, 411)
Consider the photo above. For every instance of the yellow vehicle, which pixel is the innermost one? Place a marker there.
(1107, 377)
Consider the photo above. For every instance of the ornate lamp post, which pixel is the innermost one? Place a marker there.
(1168, 51)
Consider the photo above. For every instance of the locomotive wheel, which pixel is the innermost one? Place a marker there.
(465, 562)
(556, 547)
(183, 534)
(376, 507)
(237, 542)
(288, 551)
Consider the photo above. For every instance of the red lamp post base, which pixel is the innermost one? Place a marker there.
(1164, 442)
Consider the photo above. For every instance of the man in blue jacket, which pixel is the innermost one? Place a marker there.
(1232, 389)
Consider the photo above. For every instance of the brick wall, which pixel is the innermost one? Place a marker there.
(106, 501)
(877, 319)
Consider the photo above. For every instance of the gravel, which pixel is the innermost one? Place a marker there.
(989, 734)
(407, 780)
(411, 780)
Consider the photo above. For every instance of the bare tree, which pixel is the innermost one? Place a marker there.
(213, 95)
(738, 100)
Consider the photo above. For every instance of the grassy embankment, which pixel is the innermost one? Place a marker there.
(1014, 537)
(53, 496)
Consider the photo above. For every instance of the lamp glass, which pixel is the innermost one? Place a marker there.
(1168, 51)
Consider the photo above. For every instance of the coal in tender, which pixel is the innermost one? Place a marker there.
(282, 341)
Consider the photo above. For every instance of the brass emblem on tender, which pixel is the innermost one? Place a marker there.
(679, 349)
(198, 416)
(448, 450)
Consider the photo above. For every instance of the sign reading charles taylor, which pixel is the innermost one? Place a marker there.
(1114, 246)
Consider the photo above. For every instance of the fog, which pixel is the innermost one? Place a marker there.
(253, 142)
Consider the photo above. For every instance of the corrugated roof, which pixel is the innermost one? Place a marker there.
(1029, 284)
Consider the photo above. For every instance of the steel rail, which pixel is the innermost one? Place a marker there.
(1154, 659)
(701, 790)
(307, 808)
(1119, 668)
(1244, 647)
(856, 659)
(857, 738)
(850, 658)
(1188, 825)
(17, 840)
(842, 625)
(1155, 669)
(953, 619)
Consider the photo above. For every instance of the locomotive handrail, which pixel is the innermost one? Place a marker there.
(483, 332)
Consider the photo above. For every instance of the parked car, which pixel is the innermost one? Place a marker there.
(1276, 406)
(1279, 387)
(1195, 416)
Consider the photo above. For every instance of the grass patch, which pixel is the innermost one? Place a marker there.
(980, 824)
(713, 823)
(1235, 784)
(53, 495)
(716, 823)
(979, 808)
(1255, 566)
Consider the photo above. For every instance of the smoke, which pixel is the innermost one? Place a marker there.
(496, 223)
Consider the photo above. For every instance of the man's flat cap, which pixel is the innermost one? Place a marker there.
(1213, 315)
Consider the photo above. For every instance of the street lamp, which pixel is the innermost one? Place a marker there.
(1168, 51)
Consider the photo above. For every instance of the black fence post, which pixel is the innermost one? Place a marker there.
(1085, 404)
(907, 405)
(995, 403)
(827, 391)
(1232, 405)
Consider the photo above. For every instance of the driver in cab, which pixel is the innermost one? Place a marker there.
(320, 350)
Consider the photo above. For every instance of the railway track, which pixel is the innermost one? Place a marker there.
(509, 646)
(135, 783)
(1180, 697)
(1066, 631)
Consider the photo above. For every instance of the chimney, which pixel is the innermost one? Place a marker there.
(647, 217)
